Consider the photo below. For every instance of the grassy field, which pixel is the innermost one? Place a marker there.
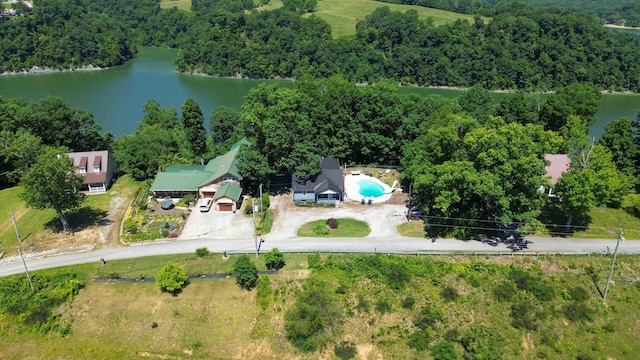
(180, 4)
(343, 15)
(214, 319)
(412, 229)
(39, 227)
(347, 227)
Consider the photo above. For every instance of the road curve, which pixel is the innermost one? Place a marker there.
(393, 245)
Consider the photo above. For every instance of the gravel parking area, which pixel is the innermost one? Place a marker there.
(217, 225)
(382, 218)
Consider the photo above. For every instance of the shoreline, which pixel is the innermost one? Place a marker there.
(48, 70)
(614, 26)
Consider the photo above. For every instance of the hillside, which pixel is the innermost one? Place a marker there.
(368, 307)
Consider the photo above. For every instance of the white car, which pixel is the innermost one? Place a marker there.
(205, 205)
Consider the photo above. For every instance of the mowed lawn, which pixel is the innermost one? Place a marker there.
(343, 15)
(347, 227)
(180, 4)
(32, 223)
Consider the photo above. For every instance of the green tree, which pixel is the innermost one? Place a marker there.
(619, 137)
(192, 121)
(51, 182)
(171, 278)
(518, 107)
(223, 124)
(19, 151)
(246, 272)
(575, 99)
(477, 102)
(274, 259)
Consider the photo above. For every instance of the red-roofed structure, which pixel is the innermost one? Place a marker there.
(98, 168)
(558, 164)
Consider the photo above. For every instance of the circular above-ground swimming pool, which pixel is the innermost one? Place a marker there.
(359, 187)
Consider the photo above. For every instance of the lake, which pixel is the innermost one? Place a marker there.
(115, 96)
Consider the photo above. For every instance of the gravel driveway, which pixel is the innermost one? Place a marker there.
(382, 218)
(217, 225)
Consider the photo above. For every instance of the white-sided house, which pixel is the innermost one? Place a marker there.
(325, 188)
(557, 165)
(98, 168)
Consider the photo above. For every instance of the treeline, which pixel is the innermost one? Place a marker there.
(26, 126)
(523, 47)
(62, 34)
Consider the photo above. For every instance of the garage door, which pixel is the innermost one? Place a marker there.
(208, 194)
(226, 207)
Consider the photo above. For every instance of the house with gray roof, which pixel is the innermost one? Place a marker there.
(218, 179)
(325, 188)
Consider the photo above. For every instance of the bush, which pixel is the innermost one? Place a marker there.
(398, 276)
(264, 292)
(345, 350)
(421, 339)
(332, 223)
(202, 252)
(313, 316)
(523, 314)
(266, 201)
(631, 204)
(578, 293)
(449, 294)
(408, 302)
(383, 307)
(172, 279)
(189, 198)
(246, 272)
(505, 291)
(428, 317)
(274, 259)
(320, 229)
(314, 262)
(578, 312)
(444, 351)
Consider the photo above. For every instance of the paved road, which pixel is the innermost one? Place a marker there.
(291, 244)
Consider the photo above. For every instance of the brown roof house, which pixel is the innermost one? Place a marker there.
(98, 168)
(558, 164)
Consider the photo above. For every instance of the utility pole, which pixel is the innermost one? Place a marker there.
(613, 262)
(24, 262)
(260, 198)
(255, 233)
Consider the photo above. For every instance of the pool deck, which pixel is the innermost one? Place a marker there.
(352, 189)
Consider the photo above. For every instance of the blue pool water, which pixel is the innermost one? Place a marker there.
(370, 188)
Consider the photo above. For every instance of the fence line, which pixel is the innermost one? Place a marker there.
(448, 253)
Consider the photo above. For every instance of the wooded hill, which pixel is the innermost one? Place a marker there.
(521, 47)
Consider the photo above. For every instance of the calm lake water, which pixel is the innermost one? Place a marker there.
(116, 96)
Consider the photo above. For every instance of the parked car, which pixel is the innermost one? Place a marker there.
(414, 213)
(167, 204)
(205, 205)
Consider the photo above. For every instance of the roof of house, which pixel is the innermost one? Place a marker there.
(329, 178)
(97, 158)
(192, 177)
(558, 164)
(228, 190)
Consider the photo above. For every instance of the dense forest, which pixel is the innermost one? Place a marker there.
(521, 47)
(621, 12)
(62, 34)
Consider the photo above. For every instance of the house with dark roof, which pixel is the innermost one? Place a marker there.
(98, 168)
(557, 165)
(219, 179)
(325, 188)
